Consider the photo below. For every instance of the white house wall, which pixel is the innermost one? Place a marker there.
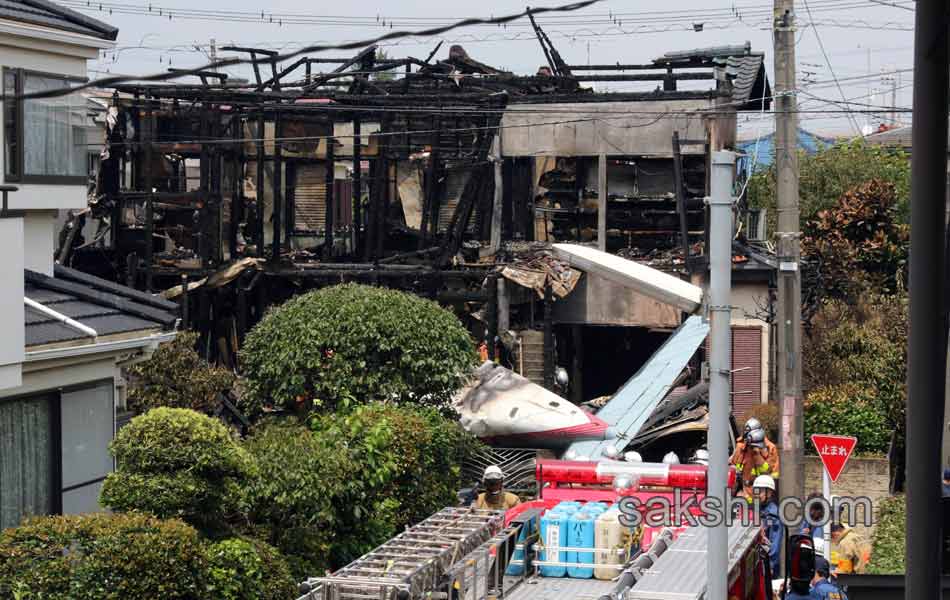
(11, 302)
(38, 242)
(48, 57)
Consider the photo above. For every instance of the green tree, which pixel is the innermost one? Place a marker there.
(347, 344)
(175, 462)
(176, 376)
(857, 246)
(826, 175)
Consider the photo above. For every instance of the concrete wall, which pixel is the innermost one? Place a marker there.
(601, 128)
(861, 477)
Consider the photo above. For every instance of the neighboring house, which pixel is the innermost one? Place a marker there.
(65, 334)
(759, 152)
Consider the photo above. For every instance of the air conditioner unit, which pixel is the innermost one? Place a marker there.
(756, 221)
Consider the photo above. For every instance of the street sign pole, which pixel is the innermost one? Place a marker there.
(826, 492)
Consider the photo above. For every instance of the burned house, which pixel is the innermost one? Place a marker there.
(445, 177)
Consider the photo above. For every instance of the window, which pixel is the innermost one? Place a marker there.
(54, 452)
(46, 139)
(26, 459)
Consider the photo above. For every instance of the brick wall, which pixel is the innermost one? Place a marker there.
(861, 477)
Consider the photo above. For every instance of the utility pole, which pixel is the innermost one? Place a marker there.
(720, 361)
(789, 310)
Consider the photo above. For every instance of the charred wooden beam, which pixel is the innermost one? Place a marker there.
(259, 203)
(330, 204)
(149, 134)
(237, 191)
(358, 58)
(647, 77)
(278, 189)
(357, 185)
(680, 196)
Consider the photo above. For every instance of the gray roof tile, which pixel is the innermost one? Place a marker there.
(49, 14)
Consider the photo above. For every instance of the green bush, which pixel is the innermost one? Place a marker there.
(177, 377)
(354, 344)
(291, 500)
(847, 409)
(888, 544)
(328, 494)
(175, 462)
(242, 569)
(102, 557)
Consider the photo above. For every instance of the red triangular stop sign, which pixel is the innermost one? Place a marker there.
(834, 451)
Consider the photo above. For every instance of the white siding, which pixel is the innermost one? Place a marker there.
(47, 57)
(38, 241)
(11, 302)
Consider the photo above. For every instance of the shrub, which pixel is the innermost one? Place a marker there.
(888, 543)
(354, 343)
(847, 409)
(176, 376)
(767, 414)
(292, 502)
(242, 569)
(102, 557)
(175, 462)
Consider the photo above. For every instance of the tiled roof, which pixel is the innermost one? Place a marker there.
(105, 306)
(49, 14)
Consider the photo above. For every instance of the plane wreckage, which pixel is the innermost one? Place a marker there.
(504, 408)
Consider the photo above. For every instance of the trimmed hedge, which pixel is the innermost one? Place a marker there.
(847, 409)
(889, 541)
(175, 462)
(243, 569)
(102, 557)
(352, 343)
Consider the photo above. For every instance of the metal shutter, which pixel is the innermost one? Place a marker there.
(746, 388)
(310, 198)
(747, 369)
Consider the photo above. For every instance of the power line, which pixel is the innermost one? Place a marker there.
(229, 62)
(821, 45)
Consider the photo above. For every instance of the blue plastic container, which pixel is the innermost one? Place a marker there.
(516, 566)
(554, 525)
(581, 535)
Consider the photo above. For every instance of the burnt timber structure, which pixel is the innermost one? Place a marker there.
(409, 173)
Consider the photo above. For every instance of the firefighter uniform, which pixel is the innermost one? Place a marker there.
(750, 462)
(853, 552)
(503, 501)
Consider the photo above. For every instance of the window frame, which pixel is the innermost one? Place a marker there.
(21, 176)
(55, 399)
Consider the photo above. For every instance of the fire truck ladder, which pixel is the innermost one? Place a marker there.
(412, 564)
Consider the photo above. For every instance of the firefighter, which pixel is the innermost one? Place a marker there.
(822, 587)
(854, 551)
(754, 455)
(772, 527)
(495, 497)
(671, 458)
(700, 457)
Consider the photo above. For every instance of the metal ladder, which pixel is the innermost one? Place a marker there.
(411, 564)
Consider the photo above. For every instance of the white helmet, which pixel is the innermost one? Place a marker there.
(764, 481)
(570, 455)
(493, 472)
(671, 458)
(610, 452)
(632, 456)
(700, 457)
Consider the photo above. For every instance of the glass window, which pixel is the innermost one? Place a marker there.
(55, 130)
(11, 154)
(26, 459)
(88, 424)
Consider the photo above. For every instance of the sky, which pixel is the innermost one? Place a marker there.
(850, 54)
